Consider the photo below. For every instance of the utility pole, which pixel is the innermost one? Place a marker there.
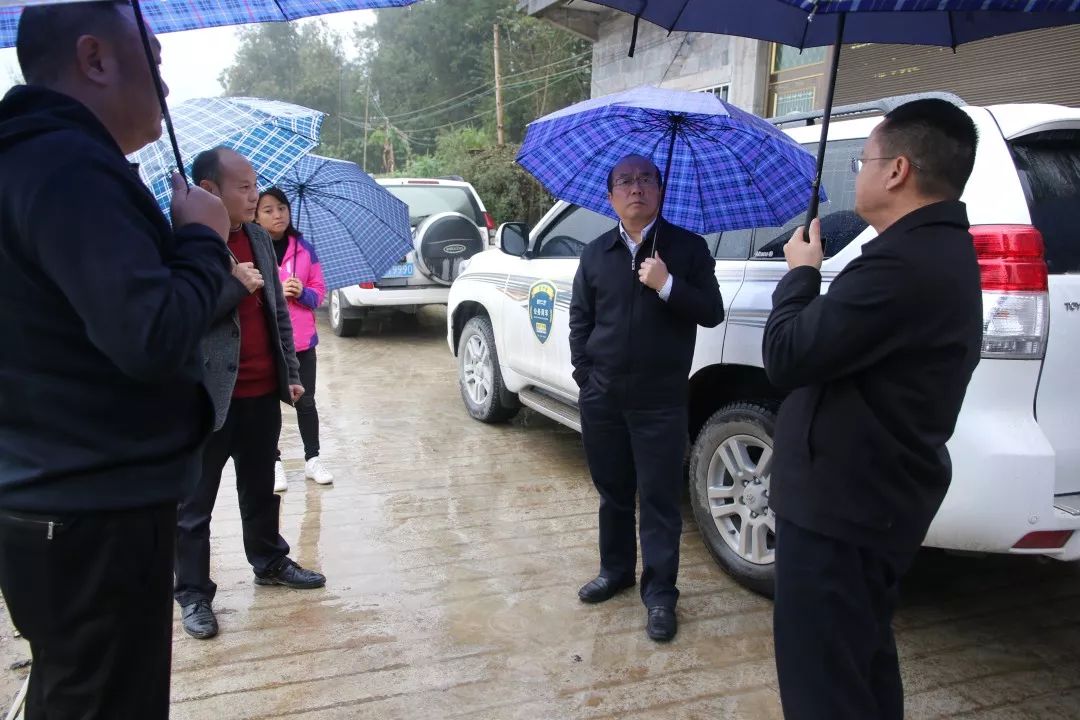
(498, 93)
(367, 104)
(340, 92)
(389, 164)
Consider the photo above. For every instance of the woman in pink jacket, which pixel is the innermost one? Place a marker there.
(302, 279)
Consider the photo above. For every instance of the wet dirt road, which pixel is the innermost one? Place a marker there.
(454, 551)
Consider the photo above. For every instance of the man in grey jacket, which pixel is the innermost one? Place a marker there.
(251, 368)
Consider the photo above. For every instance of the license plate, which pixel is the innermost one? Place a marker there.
(403, 270)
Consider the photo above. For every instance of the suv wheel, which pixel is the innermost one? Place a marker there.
(482, 389)
(341, 325)
(730, 468)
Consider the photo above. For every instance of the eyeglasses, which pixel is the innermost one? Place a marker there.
(857, 163)
(644, 181)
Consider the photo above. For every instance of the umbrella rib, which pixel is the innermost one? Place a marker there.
(341, 220)
(593, 153)
(700, 193)
(328, 207)
(320, 195)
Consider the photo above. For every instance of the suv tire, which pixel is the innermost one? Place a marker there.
(341, 325)
(482, 389)
(729, 486)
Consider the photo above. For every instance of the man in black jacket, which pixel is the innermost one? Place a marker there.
(633, 326)
(877, 369)
(251, 368)
(102, 409)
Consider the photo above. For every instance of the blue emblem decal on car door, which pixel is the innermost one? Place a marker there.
(542, 308)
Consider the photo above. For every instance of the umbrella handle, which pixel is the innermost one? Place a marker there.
(159, 87)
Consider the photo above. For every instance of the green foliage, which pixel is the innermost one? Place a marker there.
(302, 64)
(432, 66)
(423, 84)
(509, 193)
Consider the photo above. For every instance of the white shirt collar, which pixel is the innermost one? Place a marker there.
(644, 233)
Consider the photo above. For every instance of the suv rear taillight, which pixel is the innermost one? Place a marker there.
(490, 221)
(1015, 299)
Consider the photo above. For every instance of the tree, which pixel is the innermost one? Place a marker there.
(302, 64)
(509, 193)
(424, 87)
(431, 67)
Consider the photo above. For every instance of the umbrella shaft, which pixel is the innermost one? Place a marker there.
(812, 212)
(159, 86)
(667, 173)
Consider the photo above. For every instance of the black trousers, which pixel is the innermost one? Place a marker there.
(307, 414)
(637, 452)
(249, 437)
(91, 595)
(835, 651)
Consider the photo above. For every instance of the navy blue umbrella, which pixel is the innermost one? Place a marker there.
(813, 23)
(358, 228)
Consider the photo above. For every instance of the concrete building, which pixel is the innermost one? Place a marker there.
(770, 80)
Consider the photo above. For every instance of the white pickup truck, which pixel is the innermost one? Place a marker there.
(1016, 451)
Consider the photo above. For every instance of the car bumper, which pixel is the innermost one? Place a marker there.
(359, 298)
(1004, 483)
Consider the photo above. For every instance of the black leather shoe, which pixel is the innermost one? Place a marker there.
(603, 588)
(662, 624)
(199, 620)
(291, 575)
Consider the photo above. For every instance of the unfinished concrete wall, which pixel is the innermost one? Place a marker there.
(685, 61)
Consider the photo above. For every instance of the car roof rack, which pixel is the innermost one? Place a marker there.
(882, 106)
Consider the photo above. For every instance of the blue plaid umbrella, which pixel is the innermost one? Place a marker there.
(165, 16)
(813, 23)
(358, 228)
(172, 15)
(272, 135)
(725, 169)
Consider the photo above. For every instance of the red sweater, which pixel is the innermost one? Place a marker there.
(257, 375)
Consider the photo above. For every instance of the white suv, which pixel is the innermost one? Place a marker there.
(1016, 451)
(449, 224)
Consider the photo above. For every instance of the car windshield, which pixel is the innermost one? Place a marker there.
(427, 200)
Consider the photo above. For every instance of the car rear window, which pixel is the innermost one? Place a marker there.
(839, 223)
(427, 200)
(1049, 168)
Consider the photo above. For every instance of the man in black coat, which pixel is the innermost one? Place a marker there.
(633, 326)
(102, 408)
(251, 368)
(877, 369)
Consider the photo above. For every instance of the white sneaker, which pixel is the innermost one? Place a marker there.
(314, 470)
(281, 482)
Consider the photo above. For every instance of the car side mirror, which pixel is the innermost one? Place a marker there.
(513, 239)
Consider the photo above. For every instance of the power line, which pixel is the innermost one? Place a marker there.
(512, 86)
(555, 78)
(481, 91)
(478, 115)
(485, 88)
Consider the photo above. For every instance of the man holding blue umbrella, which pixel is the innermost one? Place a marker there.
(102, 412)
(877, 369)
(633, 326)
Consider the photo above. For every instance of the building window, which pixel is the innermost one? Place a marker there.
(789, 102)
(720, 91)
(788, 58)
(796, 80)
